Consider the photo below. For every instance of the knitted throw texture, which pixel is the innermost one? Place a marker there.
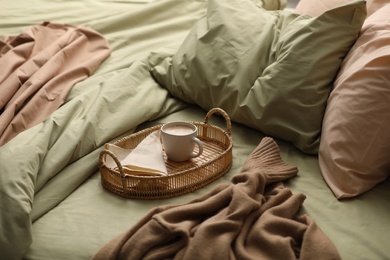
(252, 217)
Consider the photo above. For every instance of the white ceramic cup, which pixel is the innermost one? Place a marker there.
(179, 139)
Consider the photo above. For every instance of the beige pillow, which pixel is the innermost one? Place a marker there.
(317, 7)
(354, 151)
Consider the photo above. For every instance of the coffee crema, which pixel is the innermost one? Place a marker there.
(178, 130)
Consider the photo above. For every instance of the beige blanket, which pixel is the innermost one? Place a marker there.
(39, 67)
(253, 217)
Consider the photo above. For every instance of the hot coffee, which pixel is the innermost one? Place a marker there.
(179, 130)
(179, 140)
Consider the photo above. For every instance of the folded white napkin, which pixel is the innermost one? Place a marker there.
(145, 159)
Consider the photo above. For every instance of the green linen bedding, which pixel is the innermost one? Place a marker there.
(90, 216)
(42, 166)
(272, 71)
(52, 203)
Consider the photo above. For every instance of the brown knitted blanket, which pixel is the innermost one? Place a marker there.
(252, 217)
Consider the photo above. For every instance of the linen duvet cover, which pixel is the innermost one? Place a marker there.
(163, 61)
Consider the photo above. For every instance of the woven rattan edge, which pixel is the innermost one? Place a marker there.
(117, 182)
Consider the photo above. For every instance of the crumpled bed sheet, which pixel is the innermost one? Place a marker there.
(41, 166)
(39, 67)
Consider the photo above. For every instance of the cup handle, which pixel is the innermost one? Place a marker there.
(200, 148)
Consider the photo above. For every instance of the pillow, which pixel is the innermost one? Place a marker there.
(354, 154)
(317, 7)
(270, 70)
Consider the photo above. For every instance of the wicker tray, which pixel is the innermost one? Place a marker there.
(183, 177)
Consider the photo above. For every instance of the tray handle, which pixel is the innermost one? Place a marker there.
(113, 156)
(224, 114)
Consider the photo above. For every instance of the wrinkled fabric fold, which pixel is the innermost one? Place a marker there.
(39, 67)
(252, 217)
(146, 159)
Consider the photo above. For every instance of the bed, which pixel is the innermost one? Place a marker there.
(148, 54)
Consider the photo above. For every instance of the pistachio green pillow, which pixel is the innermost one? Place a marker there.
(270, 70)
